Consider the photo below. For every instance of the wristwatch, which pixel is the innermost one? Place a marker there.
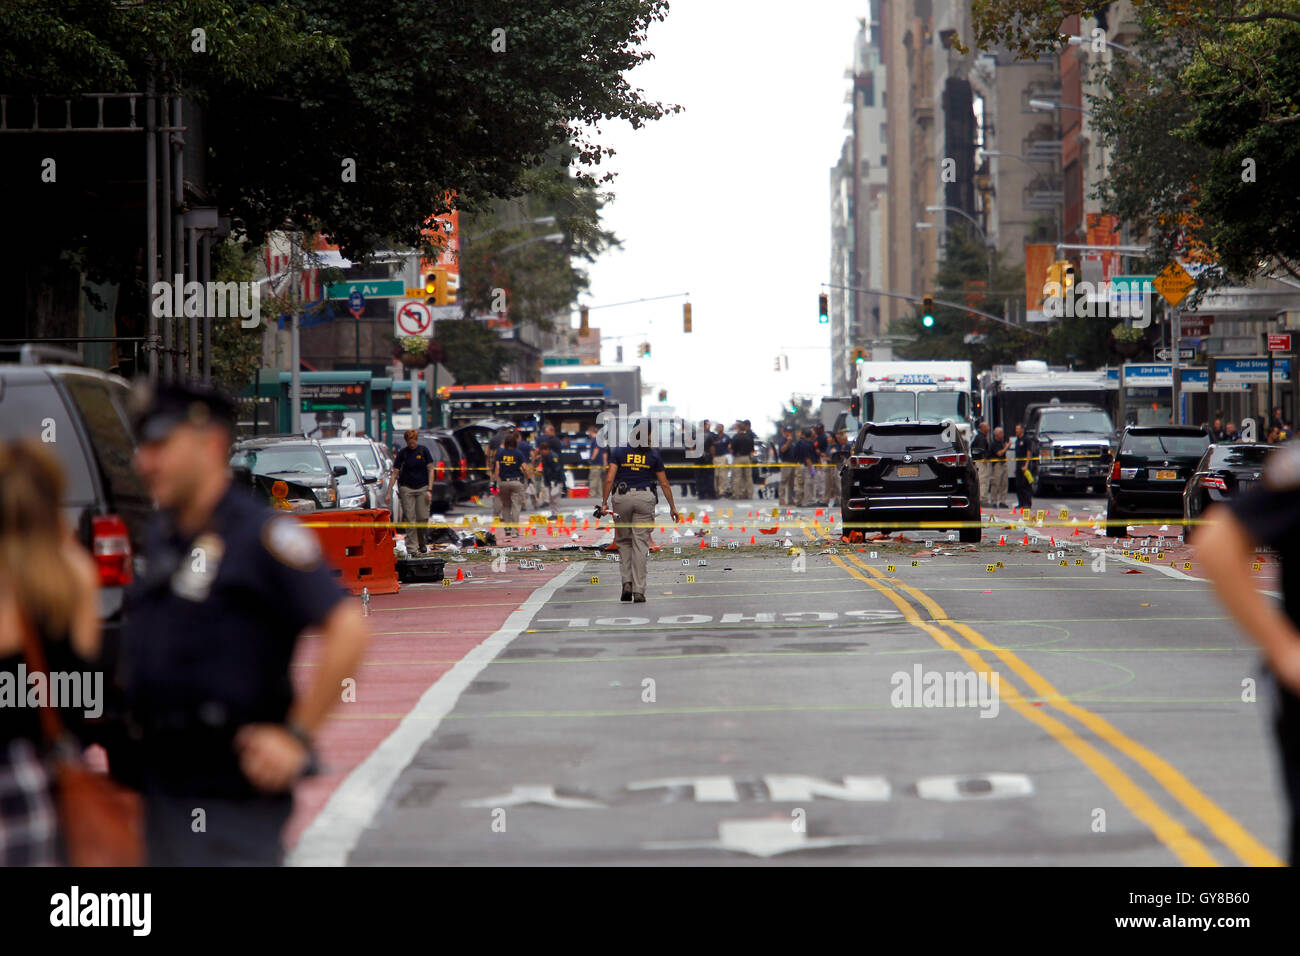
(304, 738)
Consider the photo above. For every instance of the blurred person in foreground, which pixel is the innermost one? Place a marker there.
(211, 626)
(1268, 516)
(49, 589)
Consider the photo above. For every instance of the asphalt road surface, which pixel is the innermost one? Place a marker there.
(876, 703)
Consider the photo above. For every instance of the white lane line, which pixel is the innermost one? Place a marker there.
(335, 831)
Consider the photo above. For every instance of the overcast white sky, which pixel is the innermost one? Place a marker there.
(730, 201)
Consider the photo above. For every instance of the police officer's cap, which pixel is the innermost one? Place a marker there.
(158, 409)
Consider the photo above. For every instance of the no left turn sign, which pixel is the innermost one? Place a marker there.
(414, 318)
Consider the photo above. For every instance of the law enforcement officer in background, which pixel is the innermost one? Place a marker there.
(980, 452)
(1024, 487)
(721, 473)
(597, 461)
(1269, 516)
(229, 586)
(821, 473)
(787, 452)
(742, 456)
(704, 485)
(415, 470)
(809, 459)
(999, 446)
(634, 470)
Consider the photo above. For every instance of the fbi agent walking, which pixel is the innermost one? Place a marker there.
(633, 472)
(508, 474)
(219, 735)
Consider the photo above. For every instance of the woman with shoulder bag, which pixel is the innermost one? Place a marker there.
(49, 624)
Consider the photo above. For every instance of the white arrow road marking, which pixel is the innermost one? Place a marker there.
(762, 838)
(535, 793)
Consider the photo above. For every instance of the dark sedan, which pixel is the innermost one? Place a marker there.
(1223, 472)
(914, 474)
(1151, 468)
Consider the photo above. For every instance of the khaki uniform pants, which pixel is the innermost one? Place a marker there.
(721, 475)
(511, 493)
(809, 475)
(637, 507)
(997, 481)
(415, 508)
(789, 482)
(742, 477)
(596, 482)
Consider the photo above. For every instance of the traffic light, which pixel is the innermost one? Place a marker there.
(927, 311)
(440, 287)
(645, 349)
(823, 309)
(663, 394)
(583, 328)
(686, 317)
(859, 354)
(1061, 274)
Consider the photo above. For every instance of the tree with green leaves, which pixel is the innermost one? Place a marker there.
(356, 121)
(1203, 124)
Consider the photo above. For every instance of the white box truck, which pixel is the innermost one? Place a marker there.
(919, 391)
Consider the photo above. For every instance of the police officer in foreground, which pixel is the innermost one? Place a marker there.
(229, 586)
(1268, 515)
(634, 469)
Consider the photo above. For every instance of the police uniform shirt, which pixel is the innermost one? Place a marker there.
(788, 449)
(210, 631)
(821, 442)
(525, 450)
(721, 445)
(413, 467)
(510, 464)
(1023, 450)
(637, 466)
(1271, 513)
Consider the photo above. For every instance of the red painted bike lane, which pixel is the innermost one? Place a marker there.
(417, 635)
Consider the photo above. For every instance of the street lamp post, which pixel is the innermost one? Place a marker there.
(988, 248)
(1002, 154)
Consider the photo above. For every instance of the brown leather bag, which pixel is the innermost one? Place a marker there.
(101, 822)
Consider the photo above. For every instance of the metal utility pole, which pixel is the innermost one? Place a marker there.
(1175, 353)
(151, 221)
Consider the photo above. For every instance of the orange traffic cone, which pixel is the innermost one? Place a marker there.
(751, 539)
(585, 523)
(1053, 540)
(1002, 540)
(460, 574)
(702, 543)
(706, 519)
(1026, 541)
(1076, 532)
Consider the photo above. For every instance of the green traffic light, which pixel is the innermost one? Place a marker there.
(928, 321)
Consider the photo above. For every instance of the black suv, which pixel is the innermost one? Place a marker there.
(1151, 468)
(910, 474)
(1224, 471)
(1072, 445)
(298, 461)
(81, 414)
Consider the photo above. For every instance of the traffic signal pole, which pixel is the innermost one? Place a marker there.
(960, 306)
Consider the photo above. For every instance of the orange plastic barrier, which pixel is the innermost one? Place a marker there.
(359, 547)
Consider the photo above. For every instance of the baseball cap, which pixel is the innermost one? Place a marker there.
(158, 409)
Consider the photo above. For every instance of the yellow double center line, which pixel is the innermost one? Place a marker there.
(1166, 828)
